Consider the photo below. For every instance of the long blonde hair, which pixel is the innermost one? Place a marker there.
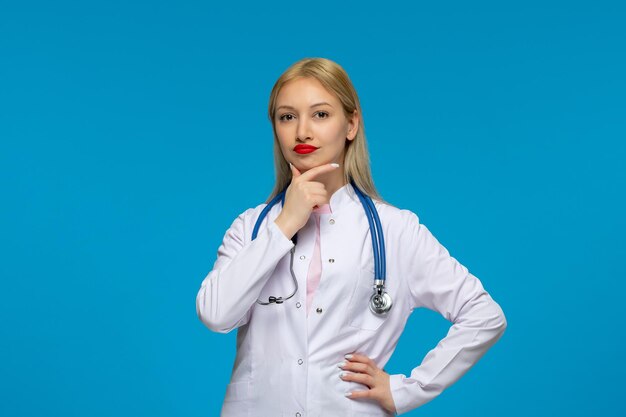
(335, 79)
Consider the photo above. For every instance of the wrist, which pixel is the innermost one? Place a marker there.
(288, 229)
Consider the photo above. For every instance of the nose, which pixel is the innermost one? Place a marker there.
(302, 131)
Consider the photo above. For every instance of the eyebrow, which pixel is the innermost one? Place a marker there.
(314, 105)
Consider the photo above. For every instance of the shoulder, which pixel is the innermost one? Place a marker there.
(249, 215)
(396, 217)
(251, 212)
(246, 220)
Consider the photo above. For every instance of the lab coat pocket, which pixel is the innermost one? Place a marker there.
(236, 401)
(359, 313)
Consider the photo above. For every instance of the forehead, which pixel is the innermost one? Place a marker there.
(305, 91)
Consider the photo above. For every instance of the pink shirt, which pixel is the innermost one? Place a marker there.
(315, 267)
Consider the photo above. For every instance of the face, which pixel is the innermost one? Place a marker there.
(307, 115)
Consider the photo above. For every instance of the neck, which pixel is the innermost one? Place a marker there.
(332, 181)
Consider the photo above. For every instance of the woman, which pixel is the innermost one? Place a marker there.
(320, 351)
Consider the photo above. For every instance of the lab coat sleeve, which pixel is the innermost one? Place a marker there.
(242, 268)
(440, 283)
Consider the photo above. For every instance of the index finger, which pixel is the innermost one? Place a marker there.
(313, 172)
(357, 357)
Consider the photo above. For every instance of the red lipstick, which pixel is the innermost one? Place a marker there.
(304, 149)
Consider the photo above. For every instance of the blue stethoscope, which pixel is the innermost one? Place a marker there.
(380, 301)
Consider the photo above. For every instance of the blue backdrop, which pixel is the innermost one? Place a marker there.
(134, 132)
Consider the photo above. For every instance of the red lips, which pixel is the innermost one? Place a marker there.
(303, 149)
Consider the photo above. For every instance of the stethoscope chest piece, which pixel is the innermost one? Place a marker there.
(380, 303)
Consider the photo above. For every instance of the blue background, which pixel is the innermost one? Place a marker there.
(133, 133)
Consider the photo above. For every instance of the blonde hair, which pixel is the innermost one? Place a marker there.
(335, 79)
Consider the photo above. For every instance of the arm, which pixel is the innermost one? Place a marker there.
(242, 268)
(440, 283)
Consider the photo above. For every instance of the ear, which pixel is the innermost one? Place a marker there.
(353, 126)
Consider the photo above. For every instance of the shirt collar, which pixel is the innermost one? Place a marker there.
(342, 198)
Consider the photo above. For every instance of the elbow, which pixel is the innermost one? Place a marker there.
(499, 322)
(503, 323)
(215, 326)
(495, 324)
(488, 316)
(209, 315)
(498, 329)
(213, 322)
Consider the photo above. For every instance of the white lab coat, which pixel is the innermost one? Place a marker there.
(286, 362)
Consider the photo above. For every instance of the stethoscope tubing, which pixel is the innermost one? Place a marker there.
(267, 208)
(376, 234)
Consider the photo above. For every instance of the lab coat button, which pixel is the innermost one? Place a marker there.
(302, 257)
(298, 415)
(331, 221)
(319, 310)
(331, 260)
(300, 361)
(298, 305)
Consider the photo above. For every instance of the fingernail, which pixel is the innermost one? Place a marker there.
(335, 165)
(348, 394)
(348, 356)
(341, 364)
(342, 374)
